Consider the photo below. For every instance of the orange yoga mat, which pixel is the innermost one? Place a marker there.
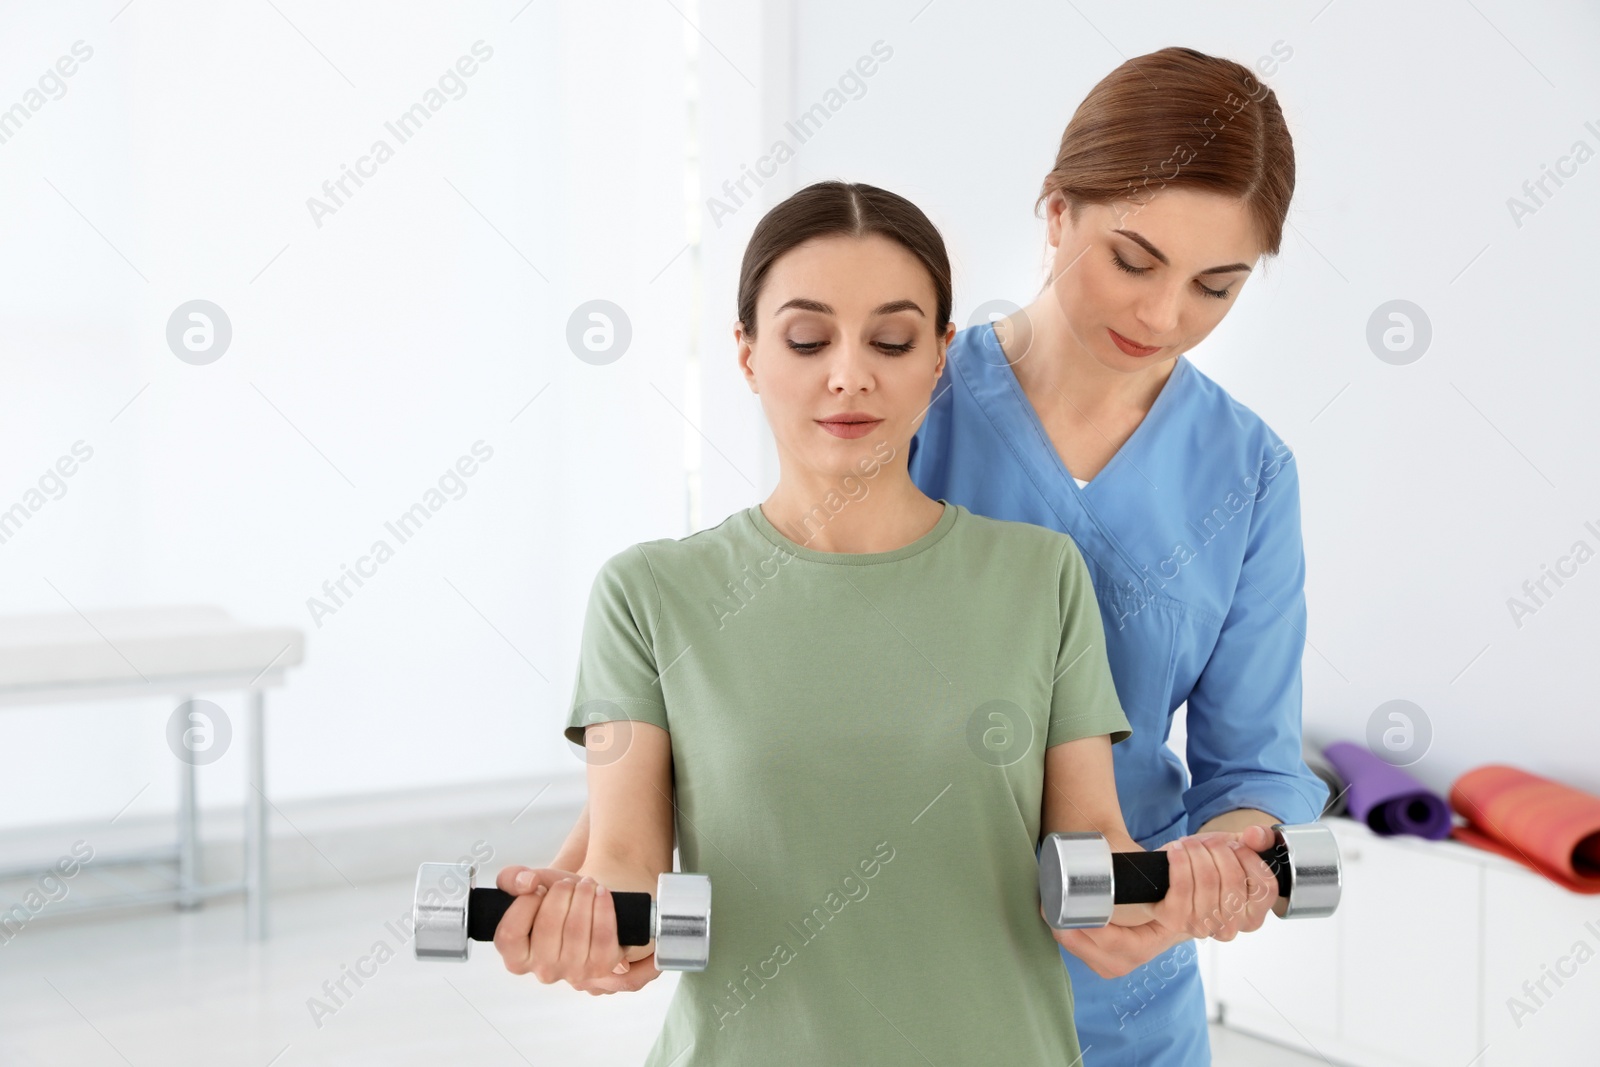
(1550, 827)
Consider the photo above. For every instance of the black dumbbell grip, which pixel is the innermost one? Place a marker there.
(488, 905)
(1141, 877)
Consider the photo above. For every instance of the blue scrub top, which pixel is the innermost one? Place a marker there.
(1192, 537)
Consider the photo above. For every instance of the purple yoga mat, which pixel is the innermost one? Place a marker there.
(1385, 797)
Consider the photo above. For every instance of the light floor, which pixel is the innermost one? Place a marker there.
(158, 986)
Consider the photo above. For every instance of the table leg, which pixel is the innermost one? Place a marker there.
(255, 859)
(188, 831)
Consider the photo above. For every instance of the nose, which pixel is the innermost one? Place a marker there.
(1158, 312)
(850, 368)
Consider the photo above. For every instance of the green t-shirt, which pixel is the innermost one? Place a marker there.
(858, 757)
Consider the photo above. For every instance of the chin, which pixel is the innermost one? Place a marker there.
(1111, 357)
(1116, 359)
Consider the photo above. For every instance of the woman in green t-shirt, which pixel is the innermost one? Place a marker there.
(855, 707)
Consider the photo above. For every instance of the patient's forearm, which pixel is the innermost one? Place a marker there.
(571, 854)
(1080, 795)
(625, 831)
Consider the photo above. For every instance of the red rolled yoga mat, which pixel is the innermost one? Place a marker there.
(1544, 825)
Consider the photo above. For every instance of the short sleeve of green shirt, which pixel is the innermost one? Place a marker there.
(617, 673)
(1084, 698)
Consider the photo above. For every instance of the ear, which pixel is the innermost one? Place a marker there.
(1055, 207)
(944, 348)
(746, 352)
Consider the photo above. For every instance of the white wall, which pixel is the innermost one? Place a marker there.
(368, 354)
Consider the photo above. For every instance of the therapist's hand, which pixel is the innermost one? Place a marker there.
(1230, 888)
(1217, 887)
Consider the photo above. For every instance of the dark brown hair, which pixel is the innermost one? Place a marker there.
(850, 209)
(1182, 119)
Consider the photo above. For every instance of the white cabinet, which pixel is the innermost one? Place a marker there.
(1416, 968)
(1297, 1005)
(1408, 970)
(1541, 967)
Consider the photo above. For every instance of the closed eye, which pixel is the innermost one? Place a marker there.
(1220, 294)
(809, 347)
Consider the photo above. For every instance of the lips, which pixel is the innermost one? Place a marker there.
(850, 425)
(1132, 348)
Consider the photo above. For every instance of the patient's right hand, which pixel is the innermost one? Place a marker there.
(571, 939)
(633, 977)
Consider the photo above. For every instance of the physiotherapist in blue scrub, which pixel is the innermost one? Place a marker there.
(1080, 412)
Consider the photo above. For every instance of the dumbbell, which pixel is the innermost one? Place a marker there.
(1081, 879)
(448, 913)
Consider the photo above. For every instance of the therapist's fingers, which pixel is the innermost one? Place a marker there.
(1221, 885)
(1262, 892)
(1207, 893)
(1257, 838)
(1176, 909)
(1232, 885)
(1247, 888)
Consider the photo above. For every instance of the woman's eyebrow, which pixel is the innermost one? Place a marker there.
(806, 304)
(1154, 251)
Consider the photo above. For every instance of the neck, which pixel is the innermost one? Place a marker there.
(830, 512)
(1057, 365)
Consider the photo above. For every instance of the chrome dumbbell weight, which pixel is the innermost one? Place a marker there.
(1081, 879)
(448, 913)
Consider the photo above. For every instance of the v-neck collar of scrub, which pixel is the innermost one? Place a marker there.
(1002, 366)
(993, 385)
